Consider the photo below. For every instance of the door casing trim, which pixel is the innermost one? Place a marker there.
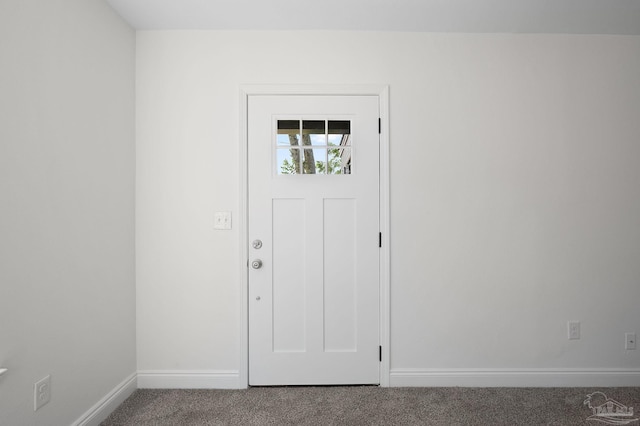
(382, 91)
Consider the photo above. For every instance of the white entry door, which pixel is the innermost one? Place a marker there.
(313, 232)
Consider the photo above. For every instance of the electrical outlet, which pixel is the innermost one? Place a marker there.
(573, 329)
(222, 220)
(41, 393)
(629, 341)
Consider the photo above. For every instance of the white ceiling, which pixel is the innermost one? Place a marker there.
(496, 16)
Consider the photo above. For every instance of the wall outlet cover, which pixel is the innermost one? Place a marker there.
(573, 329)
(630, 341)
(41, 393)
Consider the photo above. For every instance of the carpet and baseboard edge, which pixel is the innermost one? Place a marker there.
(230, 379)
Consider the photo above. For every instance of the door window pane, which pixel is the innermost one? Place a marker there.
(288, 161)
(315, 131)
(313, 147)
(288, 132)
(339, 161)
(315, 161)
(339, 133)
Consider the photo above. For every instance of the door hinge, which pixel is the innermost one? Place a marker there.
(380, 353)
(379, 125)
(379, 239)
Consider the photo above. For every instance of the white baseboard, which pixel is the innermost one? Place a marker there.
(189, 379)
(514, 377)
(101, 410)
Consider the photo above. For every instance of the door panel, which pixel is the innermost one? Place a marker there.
(314, 204)
(340, 305)
(288, 296)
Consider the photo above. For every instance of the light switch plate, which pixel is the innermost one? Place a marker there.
(222, 220)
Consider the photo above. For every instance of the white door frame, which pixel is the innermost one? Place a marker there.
(382, 91)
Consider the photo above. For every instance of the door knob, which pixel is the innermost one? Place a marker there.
(256, 264)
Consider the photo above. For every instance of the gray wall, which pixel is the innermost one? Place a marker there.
(67, 292)
(515, 198)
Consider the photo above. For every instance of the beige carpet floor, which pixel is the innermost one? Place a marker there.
(361, 405)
